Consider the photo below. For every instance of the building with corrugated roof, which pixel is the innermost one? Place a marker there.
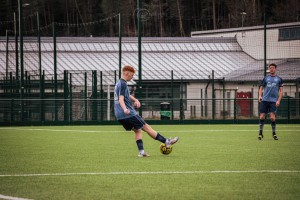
(210, 64)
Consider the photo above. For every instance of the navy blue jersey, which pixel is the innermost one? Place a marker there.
(271, 85)
(121, 89)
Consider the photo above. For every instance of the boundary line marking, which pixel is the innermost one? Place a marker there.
(155, 173)
(11, 198)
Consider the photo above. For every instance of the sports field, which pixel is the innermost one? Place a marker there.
(100, 162)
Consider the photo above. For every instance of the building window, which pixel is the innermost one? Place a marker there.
(289, 34)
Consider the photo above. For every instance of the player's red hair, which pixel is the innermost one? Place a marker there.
(128, 68)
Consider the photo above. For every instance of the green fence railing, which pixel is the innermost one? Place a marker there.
(163, 110)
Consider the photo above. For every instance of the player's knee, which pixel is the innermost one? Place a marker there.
(272, 117)
(147, 128)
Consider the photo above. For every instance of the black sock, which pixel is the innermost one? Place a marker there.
(140, 145)
(160, 138)
(273, 124)
(261, 126)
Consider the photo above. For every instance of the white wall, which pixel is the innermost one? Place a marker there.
(251, 40)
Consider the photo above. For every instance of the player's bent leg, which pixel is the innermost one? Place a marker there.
(155, 135)
(150, 131)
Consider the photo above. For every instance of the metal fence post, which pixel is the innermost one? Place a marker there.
(172, 94)
(16, 46)
(71, 100)
(55, 73)
(265, 45)
(181, 101)
(213, 94)
(66, 95)
(139, 26)
(6, 57)
(94, 104)
(20, 7)
(234, 117)
(101, 96)
(12, 101)
(85, 97)
(120, 44)
(289, 111)
(42, 92)
(223, 98)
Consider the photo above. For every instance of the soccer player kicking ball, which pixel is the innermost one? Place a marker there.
(129, 118)
(270, 94)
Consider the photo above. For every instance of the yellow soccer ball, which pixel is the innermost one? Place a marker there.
(165, 150)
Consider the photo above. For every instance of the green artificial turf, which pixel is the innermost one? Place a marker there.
(100, 162)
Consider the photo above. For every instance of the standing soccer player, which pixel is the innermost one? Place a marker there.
(270, 94)
(129, 118)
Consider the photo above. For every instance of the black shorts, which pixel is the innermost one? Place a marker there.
(267, 107)
(134, 122)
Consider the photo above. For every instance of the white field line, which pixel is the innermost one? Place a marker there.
(11, 198)
(122, 131)
(155, 173)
